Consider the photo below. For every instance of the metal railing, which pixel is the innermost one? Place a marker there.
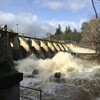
(39, 90)
(25, 97)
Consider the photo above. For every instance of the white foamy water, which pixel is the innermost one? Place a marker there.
(74, 71)
(76, 49)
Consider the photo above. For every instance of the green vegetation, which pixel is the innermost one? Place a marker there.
(68, 36)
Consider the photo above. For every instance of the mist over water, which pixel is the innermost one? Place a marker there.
(65, 63)
(74, 71)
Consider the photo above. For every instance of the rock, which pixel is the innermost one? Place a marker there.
(57, 75)
(57, 78)
(35, 71)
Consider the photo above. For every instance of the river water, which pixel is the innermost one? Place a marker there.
(79, 79)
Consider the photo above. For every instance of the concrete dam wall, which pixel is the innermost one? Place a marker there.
(23, 46)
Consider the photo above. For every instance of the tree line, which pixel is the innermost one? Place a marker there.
(68, 35)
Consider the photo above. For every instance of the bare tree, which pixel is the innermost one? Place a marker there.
(91, 34)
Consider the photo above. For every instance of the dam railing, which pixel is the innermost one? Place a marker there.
(30, 37)
(28, 98)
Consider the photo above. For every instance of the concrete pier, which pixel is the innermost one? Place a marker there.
(10, 87)
(9, 77)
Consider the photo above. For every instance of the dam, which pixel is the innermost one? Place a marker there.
(23, 46)
(51, 67)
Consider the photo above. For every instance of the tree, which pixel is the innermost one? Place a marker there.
(58, 30)
(91, 34)
(69, 29)
(75, 30)
(66, 30)
(48, 35)
(84, 24)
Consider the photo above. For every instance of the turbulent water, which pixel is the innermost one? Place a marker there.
(79, 80)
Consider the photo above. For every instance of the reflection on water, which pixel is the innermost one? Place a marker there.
(78, 76)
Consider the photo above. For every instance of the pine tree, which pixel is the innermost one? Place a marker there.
(75, 30)
(66, 30)
(58, 30)
(69, 29)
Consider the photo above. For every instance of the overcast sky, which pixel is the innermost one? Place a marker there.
(37, 17)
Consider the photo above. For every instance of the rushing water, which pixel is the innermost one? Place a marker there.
(79, 80)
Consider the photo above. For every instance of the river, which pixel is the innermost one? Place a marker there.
(78, 80)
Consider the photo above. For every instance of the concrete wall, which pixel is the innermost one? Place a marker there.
(10, 86)
(11, 93)
(9, 77)
(23, 47)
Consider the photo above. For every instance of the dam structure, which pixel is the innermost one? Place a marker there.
(23, 46)
(55, 71)
(41, 48)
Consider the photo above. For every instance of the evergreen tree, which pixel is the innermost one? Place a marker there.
(69, 29)
(58, 30)
(75, 30)
(66, 30)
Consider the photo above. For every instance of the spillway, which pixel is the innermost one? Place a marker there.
(51, 46)
(24, 44)
(35, 45)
